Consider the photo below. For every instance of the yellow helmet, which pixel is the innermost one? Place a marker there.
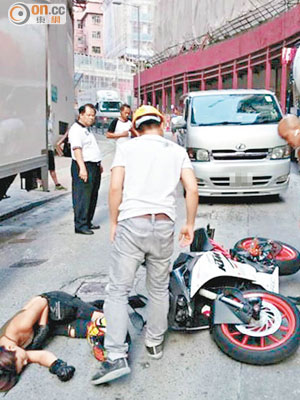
(146, 113)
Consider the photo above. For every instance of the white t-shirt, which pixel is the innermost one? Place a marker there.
(153, 167)
(80, 136)
(121, 127)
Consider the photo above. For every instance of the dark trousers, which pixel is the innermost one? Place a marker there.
(67, 312)
(85, 194)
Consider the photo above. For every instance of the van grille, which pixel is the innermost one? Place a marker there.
(241, 181)
(250, 154)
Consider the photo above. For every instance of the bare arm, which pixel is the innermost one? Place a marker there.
(42, 357)
(36, 310)
(115, 197)
(190, 185)
(113, 135)
(58, 147)
(56, 366)
(82, 168)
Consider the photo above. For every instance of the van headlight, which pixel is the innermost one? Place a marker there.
(198, 154)
(280, 152)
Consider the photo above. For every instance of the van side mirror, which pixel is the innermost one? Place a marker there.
(179, 123)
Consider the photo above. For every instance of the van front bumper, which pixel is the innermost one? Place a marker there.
(247, 178)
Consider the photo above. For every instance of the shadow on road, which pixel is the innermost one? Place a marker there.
(241, 200)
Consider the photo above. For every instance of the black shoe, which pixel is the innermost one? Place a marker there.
(92, 226)
(84, 231)
(110, 370)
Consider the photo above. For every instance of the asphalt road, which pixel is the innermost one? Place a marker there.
(40, 252)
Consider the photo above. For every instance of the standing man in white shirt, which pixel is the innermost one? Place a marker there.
(120, 127)
(142, 197)
(86, 170)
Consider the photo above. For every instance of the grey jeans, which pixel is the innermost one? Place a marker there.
(138, 239)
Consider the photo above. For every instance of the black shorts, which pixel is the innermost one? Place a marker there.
(51, 163)
(64, 307)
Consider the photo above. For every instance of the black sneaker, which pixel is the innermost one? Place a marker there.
(155, 352)
(110, 370)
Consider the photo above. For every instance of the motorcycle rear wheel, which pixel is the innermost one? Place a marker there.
(288, 259)
(273, 339)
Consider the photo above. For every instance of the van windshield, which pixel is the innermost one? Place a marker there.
(234, 109)
(109, 106)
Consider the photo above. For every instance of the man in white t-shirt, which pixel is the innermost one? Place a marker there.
(145, 173)
(86, 170)
(120, 128)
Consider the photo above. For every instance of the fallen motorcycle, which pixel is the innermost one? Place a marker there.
(269, 252)
(235, 295)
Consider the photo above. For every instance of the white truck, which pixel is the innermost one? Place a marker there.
(36, 85)
(108, 107)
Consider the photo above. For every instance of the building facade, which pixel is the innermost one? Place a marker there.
(246, 52)
(122, 35)
(88, 28)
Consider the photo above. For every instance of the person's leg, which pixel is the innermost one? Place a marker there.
(126, 257)
(157, 282)
(54, 177)
(96, 180)
(51, 167)
(81, 195)
(73, 329)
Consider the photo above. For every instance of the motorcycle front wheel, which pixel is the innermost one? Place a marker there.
(287, 257)
(270, 340)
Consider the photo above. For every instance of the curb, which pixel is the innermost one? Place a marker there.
(29, 207)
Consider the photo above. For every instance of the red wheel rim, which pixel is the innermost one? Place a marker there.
(285, 254)
(285, 331)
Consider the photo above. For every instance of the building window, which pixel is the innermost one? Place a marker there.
(80, 39)
(96, 34)
(79, 24)
(96, 49)
(96, 19)
(145, 28)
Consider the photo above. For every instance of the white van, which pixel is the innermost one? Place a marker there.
(231, 138)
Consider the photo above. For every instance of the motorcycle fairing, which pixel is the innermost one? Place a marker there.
(212, 264)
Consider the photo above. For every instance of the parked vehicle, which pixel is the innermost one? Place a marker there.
(237, 298)
(36, 90)
(108, 107)
(232, 140)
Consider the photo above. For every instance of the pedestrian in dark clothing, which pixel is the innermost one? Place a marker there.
(86, 170)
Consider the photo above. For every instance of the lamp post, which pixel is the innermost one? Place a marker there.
(118, 3)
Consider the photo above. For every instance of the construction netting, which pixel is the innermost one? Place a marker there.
(184, 24)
